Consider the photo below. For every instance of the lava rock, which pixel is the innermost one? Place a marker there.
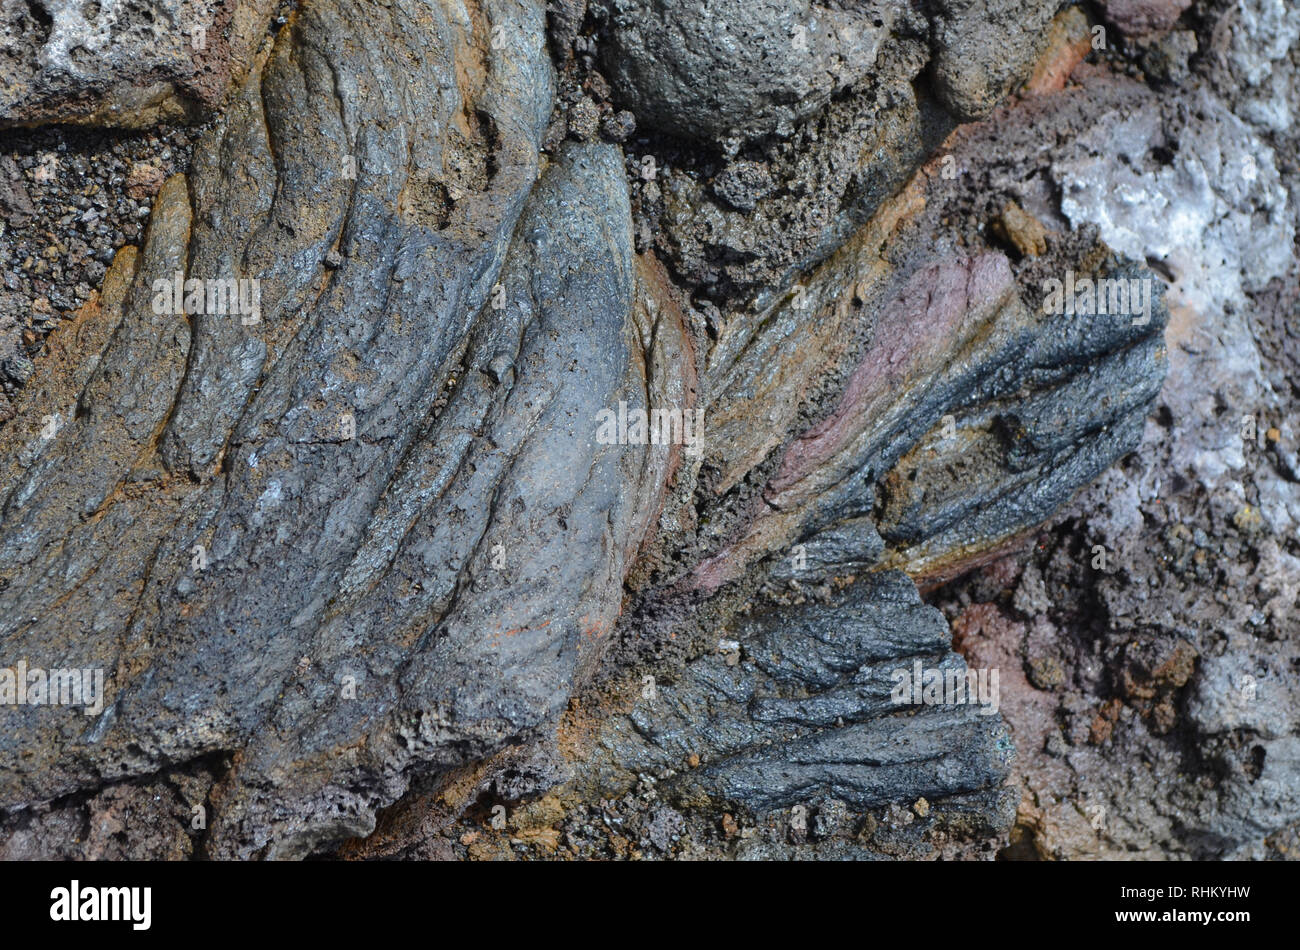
(814, 711)
(1140, 17)
(983, 47)
(124, 63)
(737, 66)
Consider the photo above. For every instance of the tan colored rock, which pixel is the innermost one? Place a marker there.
(1069, 40)
(1021, 230)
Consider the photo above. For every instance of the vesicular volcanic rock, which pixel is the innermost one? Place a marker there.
(740, 66)
(423, 457)
(123, 62)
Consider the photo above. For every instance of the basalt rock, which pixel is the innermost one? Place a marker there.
(885, 102)
(739, 67)
(362, 540)
(279, 447)
(123, 63)
(983, 48)
(1139, 17)
(808, 707)
(748, 70)
(811, 192)
(963, 412)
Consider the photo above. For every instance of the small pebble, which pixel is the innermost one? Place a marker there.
(584, 120)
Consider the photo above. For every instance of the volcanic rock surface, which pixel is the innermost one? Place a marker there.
(127, 63)
(597, 386)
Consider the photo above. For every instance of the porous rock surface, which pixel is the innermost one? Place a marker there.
(360, 571)
(123, 62)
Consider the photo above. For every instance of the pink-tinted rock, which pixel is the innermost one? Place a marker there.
(1139, 17)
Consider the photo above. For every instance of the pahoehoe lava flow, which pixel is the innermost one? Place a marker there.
(649, 428)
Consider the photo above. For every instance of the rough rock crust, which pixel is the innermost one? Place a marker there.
(123, 62)
(361, 571)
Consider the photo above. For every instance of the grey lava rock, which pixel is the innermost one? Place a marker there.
(258, 393)
(471, 430)
(123, 63)
(750, 67)
(813, 710)
(983, 47)
(742, 184)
